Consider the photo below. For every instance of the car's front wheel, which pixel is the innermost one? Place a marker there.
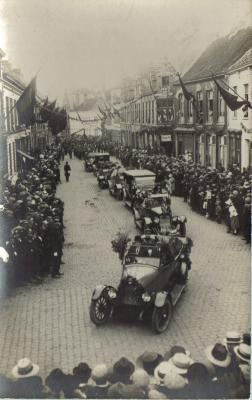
(161, 317)
(100, 310)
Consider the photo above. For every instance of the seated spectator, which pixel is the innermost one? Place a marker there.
(55, 383)
(98, 384)
(141, 379)
(122, 371)
(28, 382)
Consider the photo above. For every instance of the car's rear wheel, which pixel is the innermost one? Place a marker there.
(161, 317)
(100, 310)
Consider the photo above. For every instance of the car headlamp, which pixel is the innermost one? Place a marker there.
(146, 297)
(112, 294)
(156, 220)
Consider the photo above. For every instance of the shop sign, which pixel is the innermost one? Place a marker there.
(166, 138)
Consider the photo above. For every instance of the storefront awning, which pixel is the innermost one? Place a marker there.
(184, 130)
(25, 154)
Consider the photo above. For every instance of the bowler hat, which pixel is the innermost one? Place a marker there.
(123, 369)
(149, 361)
(246, 338)
(82, 372)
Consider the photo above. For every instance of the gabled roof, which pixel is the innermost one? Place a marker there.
(220, 55)
(244, 61)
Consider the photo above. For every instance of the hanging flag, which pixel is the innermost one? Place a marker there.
(44, 112)
(26, 103)
(231, 99)
(188, 95)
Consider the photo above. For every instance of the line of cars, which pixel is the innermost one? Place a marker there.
(156, 263)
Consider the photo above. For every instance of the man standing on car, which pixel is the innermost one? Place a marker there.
(67, 170)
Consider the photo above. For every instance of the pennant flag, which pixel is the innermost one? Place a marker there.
(187, 94)
(25, 104)
(231, 99)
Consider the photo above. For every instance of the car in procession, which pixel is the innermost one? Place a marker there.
(135, 182)
(116, 183)
(103, 175)
(153, 215)
(154, 275)
(93, 159)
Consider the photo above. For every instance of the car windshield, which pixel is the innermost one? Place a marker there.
(139, 271)
(145, 182)
(155, 202)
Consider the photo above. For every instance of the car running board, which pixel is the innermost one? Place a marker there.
(176, 293)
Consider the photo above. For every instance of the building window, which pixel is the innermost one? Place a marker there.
(220, 105)
(209, 96)
(180, 100)
(190, 108)
(245, 115)
(199, 107)
(235, 111)
(8, 118)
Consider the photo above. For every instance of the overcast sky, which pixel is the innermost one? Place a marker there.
(95, 43)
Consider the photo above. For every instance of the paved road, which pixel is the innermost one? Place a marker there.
(50, 323)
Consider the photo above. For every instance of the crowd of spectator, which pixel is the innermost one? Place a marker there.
(31, 219)
(219, 195)
(223, 372)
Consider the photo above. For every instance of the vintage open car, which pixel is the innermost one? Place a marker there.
(154, 275)
(137, 181)
(103, 176)
(154, 215)
(92, 160)
(116, 183)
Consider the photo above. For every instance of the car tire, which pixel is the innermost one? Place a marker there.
(183, 230)
(100, 310)
(161, 317)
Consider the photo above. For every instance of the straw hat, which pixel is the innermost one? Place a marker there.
(218, 355)
(140, 378)
(174, 381)
(243, 352)
(180, 363)
(232, 338)
(25, 369)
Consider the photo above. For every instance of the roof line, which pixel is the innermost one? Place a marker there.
(201, 79)
(242, 67)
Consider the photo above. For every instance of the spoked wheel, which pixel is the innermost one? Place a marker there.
(161, 317)
(100, 310)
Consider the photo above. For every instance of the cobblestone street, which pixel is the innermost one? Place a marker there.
(50, 323)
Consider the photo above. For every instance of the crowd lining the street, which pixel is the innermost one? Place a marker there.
(223, 373)
(32, 218)
(221, 195)
(32, 223)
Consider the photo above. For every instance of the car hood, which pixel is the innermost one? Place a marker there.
(157, 279)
